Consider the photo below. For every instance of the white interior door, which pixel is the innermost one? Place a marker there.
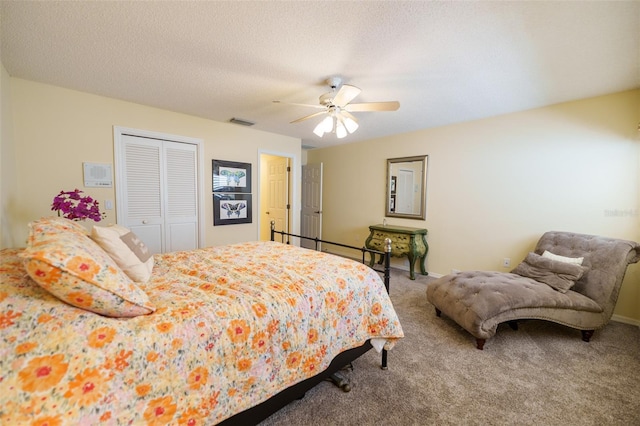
(278, 193)
(181, 183)
(139, 201)
(311, 215)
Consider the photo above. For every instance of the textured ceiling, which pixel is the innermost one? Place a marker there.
(445, 62)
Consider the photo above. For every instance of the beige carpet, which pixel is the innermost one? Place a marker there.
(542, 374)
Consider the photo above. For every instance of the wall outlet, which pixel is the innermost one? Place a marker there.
(506, 262)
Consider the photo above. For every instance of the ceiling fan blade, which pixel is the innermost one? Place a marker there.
(304, 105)
(306, 117)
(348, 115)
(345, 95)
(373, 106)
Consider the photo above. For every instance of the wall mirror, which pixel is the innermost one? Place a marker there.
(407, 187)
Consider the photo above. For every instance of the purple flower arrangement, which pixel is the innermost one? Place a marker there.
(73, 205)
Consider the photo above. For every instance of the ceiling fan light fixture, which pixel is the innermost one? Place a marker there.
(327, 123)
(350, 124)
(325, 126)
(319, 129)
(341, 131)
(338, 108)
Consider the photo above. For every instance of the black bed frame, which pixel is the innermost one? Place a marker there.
(263, 410)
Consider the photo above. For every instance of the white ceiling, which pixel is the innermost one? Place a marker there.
(445, 62)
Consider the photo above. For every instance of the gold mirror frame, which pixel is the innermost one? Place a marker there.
(406, 194)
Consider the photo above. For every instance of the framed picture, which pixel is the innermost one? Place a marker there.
(231, 209)
(392, 185)
(392, 203)
(230, 176)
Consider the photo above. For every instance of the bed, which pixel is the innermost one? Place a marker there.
(220, 334)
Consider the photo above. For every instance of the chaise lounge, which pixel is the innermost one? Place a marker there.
(571, 279)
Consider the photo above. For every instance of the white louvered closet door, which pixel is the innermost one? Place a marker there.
(181, 218)
(159, 198)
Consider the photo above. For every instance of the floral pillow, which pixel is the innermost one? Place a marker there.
(55, 225)
(76, 270)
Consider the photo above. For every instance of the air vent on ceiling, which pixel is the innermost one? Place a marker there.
(307, 147)
(241, 122)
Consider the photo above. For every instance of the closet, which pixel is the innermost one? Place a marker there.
(157, 191)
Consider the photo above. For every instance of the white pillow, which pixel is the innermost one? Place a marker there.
(126, 249)
(573, 260)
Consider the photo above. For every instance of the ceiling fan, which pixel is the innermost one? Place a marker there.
(337, 109)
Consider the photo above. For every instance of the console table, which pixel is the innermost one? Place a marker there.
(405, 241)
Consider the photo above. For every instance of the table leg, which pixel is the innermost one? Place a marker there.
(412, 275)
(423, 270)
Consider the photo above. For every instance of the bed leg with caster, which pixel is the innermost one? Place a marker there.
(384, 360)
(340, 380)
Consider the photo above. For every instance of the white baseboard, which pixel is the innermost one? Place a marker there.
(416, 271)
(625, 320)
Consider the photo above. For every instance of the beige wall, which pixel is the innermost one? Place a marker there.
(7, 160)
(495, 185)
(55, 130)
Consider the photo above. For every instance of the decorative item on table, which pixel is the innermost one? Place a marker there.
(75, 206)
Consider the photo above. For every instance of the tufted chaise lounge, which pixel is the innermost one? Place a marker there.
(480, 300)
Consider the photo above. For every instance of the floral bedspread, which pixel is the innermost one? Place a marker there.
(234, 325)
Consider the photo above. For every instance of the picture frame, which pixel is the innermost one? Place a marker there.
(392, 185)
(231, 177)
(231, 209)
(392, 203)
